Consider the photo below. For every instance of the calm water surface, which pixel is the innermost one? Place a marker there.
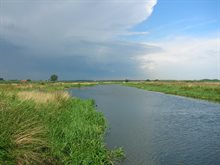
(158, 129)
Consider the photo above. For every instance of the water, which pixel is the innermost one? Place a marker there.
(158, 129)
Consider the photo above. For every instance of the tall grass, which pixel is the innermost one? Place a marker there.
(22, 135)
(52, 128)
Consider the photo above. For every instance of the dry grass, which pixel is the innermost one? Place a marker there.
(43, 97)
(46, 86)
(31, 138)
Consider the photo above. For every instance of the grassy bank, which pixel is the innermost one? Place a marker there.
(201, 90)
(39, 127)
(42, 85)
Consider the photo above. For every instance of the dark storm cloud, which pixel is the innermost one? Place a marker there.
(80, 60)
(75, 39)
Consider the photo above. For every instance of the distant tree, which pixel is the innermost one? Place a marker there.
(53, 77)
(28, 80)
(1, 79)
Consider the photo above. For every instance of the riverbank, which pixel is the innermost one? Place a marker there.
(201, 90)
(156, 128)
(42, 85)
(42, 125)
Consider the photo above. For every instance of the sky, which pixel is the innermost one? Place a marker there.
(110, 39)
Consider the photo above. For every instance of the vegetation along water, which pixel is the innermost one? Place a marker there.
(43, 125)
(195, 89)
(158, 129)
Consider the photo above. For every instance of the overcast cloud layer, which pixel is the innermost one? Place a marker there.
(76, 39)
(81, 39)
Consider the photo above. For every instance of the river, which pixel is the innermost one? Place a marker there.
(158, 129)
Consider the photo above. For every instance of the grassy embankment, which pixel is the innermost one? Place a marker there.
(201, 90)
(40, 125)
(41, 85)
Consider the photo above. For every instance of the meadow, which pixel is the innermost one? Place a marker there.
(42, 124)
(201, 90)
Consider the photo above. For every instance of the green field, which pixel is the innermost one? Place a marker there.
(201, 90)
(42, 125)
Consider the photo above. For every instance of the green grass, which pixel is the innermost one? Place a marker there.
(60, 131)
(201, 90)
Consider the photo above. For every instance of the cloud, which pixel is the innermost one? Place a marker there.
(135, 33)
(81, 60)
(86, 39)
(184, 58)
(75, 38)
(55, 21)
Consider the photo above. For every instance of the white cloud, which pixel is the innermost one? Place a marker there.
(184, 58)
(69, 36)
(82, 35)
(135, 33)
(55, 21)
